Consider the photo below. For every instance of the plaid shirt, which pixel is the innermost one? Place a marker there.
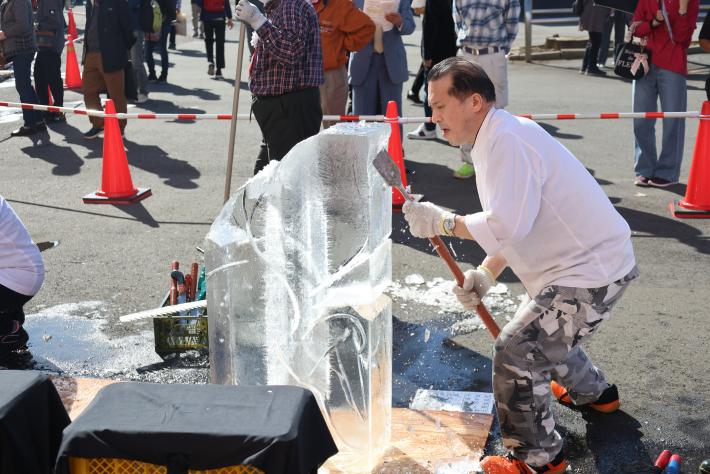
(481, 23)
(288, 54)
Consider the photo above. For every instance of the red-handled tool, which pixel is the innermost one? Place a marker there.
(390, 173)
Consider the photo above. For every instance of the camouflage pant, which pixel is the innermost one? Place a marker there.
(542, 342)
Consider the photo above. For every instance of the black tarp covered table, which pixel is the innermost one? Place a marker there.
(32, 418)
(278, 429)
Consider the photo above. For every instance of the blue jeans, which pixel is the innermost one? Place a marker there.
(671, 88)
(162, 49)
(427, 108)
(22, 66)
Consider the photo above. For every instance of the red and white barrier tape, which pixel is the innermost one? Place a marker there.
(351, 118)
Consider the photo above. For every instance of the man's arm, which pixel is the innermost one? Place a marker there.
(286, 43)
(511, 14)
(358, 28)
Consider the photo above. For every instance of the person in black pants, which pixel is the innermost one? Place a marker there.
(168, 9)
(21, 277)
(213, 15)
(592, 20)
(704, 39)
(48, 62)
(438, 43)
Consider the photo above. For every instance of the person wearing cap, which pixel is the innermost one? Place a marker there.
(573, 256)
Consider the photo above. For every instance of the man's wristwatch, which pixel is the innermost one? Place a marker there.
(448, 223)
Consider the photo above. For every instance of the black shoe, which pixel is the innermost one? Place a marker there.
(595, 71)
(414, 97)
(94, 133)
(218, 73)
(58, 117)
(152, 77)
(210, 69)
(162, 79)
(25, 131)
(16, 340)
(172, 46)
(660, 182)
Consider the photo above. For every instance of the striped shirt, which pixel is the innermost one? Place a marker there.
(482, 23)
(288, 54)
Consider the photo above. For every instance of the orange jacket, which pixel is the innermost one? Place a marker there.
(343, 28)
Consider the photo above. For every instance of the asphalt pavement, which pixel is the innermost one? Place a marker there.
(114, 260)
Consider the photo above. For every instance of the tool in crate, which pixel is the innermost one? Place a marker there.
(180, 324)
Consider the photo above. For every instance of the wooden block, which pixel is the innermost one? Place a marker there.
(421, 441)
(77, 392)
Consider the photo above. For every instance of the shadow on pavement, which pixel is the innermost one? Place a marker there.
(177, 90)
(167, 107)
(614, 441)
(554, 131)
(140, 213)
(151, 158)
(65, 160)
(655, 226)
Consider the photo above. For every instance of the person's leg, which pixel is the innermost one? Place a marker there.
(209, 41)
(298, 117)
(619, 30)
(93, 83)
(164, 62)
(365, 95)
(219, 39)
(268, 114)
(149, 49)
(139, 73)
(427, 108)
(605, 40)
(54, 73)
(334, 93)
(41, 77)
(389, 91)
(672, 89)
(12, 316)
(413, 93)
(707, 87)
(595, 40)
(195, 19)
(115, 85)
(496, 66)
(540, 343)
(645, 97)
(171, 36)
(22, 68)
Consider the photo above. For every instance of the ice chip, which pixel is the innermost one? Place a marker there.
(414, 279)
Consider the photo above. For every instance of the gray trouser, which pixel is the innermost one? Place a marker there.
(541, 343)
(137, 58)
(196, 19)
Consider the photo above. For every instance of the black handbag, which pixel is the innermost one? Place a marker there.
(633, 61)
(129, 82)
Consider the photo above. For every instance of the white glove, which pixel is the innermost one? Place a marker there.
(250, 14)
(424, 218)
(476, 284)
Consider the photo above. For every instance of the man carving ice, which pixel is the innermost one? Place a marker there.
(546, 217)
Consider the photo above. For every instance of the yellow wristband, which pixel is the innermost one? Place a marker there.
(487, 271)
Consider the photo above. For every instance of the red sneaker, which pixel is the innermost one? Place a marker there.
(510, 465)
(608, 402)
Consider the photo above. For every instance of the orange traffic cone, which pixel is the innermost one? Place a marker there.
(71, 28)
(116, 184)
(394, 148)
(72, 78)
(696, 204)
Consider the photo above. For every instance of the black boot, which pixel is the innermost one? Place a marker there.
(152, 77)
(585, 59)
(163, 77)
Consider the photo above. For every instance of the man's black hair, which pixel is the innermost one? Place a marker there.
(467, 78)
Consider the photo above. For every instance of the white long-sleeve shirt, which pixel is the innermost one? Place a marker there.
(543, 210)
(21, 266)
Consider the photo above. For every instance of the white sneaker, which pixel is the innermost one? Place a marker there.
(421, 133)
(142, 98)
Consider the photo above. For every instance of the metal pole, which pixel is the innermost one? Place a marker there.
(527, 12)
(235, 108)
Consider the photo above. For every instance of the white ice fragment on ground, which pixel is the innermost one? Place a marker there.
(466, 326)
(498, 289)
(414, 279)
(640, 195)
(458, 466)
(46, 337)
(427, 335)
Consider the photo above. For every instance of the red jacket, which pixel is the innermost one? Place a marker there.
(667, 54)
